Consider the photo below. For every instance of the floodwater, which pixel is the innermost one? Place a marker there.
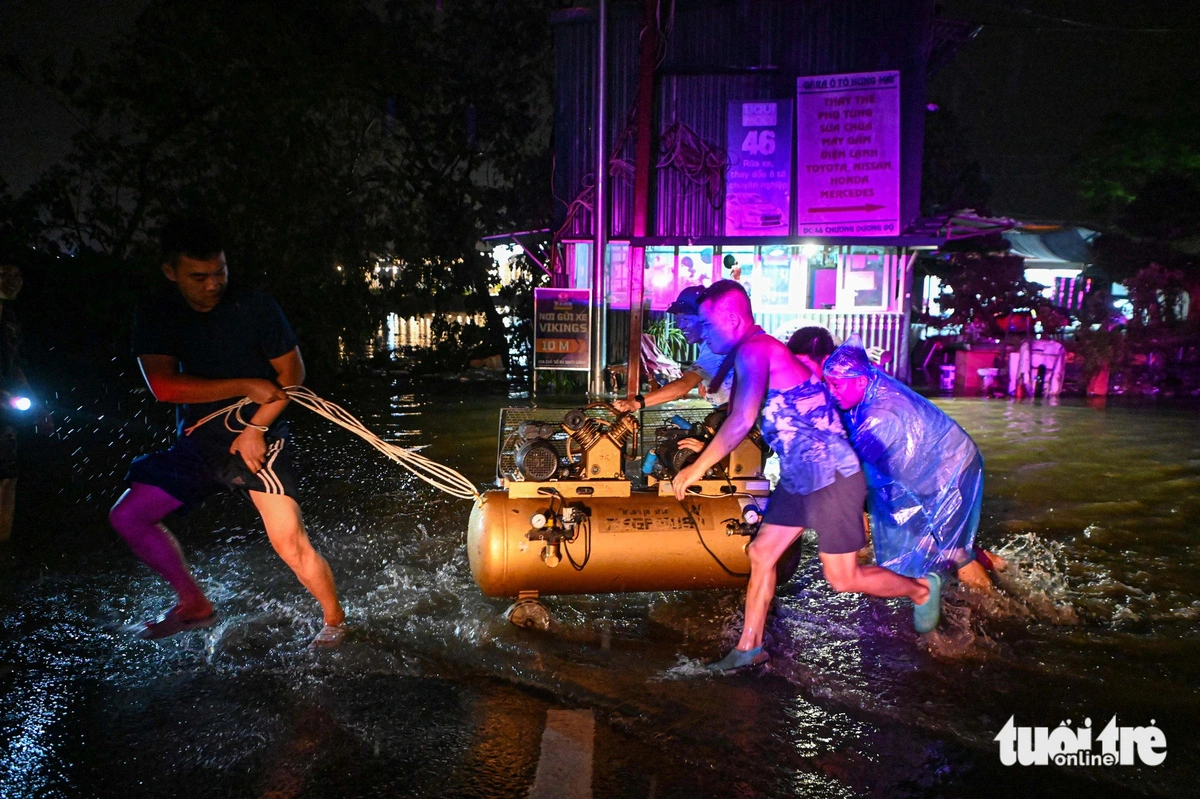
(434, 694)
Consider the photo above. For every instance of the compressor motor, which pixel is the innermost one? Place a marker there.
(594, 447)
(667, 458)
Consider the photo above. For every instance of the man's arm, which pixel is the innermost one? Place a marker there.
(168, 384)
(289, 371)
(671, 391)
(752, 368)
(251, 442)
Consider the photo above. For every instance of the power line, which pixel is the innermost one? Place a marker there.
(1068, 25)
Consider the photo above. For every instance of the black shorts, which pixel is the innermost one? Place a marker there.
(834, 512)
(201, 464)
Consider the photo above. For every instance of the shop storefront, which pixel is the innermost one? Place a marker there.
(844, 288)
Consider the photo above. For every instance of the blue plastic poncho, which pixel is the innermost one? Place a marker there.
(924, 473)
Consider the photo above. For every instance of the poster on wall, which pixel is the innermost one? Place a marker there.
(666, 273)
(561, 335)
(758, 181)
(848, 154)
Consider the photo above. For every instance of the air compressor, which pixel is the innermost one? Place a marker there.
(585, 505)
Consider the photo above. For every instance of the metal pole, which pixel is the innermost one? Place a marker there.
(907, 260)
(598, 306)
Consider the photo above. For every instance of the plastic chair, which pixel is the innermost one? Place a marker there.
(658, 368)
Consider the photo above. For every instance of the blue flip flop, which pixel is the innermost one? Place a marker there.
(737, 660)
(926, 614)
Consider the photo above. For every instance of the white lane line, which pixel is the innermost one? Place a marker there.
(564, 769)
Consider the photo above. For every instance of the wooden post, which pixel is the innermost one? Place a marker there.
(641, 191)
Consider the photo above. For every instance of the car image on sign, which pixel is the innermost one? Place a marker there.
(752, 212)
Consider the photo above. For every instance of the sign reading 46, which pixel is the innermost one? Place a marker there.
(759, 142)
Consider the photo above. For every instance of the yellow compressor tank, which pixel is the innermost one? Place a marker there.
(551, 544)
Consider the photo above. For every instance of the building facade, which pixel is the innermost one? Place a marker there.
(787, 136)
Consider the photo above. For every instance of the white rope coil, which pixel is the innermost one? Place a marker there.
(435, 474)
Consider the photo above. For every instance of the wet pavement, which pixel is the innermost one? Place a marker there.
(434, 694)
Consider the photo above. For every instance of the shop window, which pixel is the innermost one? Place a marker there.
(696, 267)
(579, 266)
(775, 284)
(659, 287)
(864, 279)
(737, 263)
(822, 266)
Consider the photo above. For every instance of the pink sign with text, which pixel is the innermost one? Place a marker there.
(848, 154)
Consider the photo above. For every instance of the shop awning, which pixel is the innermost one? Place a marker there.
(1066, 245)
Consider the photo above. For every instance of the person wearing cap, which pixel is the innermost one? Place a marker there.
(924, 473)
(686, 309)
(821, 485)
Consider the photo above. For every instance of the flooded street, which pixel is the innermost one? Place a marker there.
(435, 694)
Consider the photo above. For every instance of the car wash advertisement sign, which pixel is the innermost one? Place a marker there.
(848, 154)
(759, 179)
(561, 335)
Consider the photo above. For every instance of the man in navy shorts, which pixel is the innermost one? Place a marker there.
(202, 346)
(821, 484)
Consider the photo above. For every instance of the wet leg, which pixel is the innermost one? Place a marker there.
(285, 529)
(844, 573)
(766, 549)
(137, 518)
(990, 560)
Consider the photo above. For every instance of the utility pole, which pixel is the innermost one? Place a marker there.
(641, 189)
(598, 307)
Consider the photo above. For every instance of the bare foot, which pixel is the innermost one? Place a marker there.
(973, 576)
(990, 560)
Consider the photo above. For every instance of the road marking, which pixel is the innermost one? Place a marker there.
(564, 769)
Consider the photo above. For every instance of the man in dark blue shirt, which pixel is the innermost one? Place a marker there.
(203, 346)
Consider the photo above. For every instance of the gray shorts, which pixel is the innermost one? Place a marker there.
(834, 512)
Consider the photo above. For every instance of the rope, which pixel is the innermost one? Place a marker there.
(435, 474)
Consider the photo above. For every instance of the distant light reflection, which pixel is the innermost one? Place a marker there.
(31, 758)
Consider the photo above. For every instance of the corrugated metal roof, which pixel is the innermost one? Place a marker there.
(716, 51)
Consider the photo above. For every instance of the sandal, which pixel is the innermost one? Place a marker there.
(171, 623)
(926, 614)
(331, 636)
(738, 659)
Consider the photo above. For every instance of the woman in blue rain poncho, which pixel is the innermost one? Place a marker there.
(924, 473)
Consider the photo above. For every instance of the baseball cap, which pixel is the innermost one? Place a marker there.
(688, 301)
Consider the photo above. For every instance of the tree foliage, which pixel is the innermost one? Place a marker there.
(1141, 156)
(324, 137)
(982, 283)
(1141, 177)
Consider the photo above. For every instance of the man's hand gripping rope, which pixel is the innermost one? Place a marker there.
(441, 477)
